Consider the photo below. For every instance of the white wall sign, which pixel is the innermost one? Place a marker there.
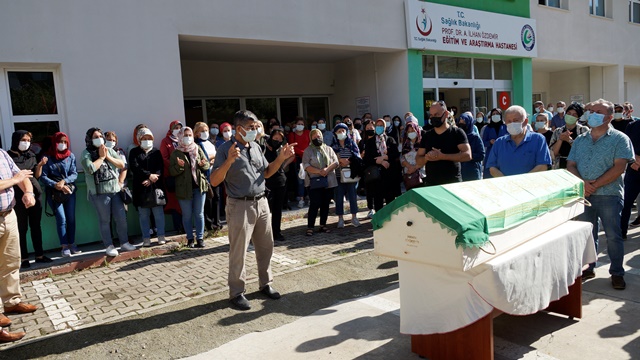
(451, 28)
(363, 105)
(577, 99)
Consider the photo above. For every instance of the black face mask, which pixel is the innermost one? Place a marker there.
(276, 144)
(437, 122)
(462, 126)
(370, 132)
(357, 126)
(317, 142)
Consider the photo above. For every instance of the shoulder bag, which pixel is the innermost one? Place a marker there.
(345, 176)
(153, 197)
(372, 173)
(319, 182)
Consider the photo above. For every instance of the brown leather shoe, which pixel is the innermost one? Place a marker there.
(4, 321)
(20, 308)
(6, 336)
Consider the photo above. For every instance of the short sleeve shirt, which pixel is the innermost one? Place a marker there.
(7, 170)
(443, 172)
(246, 175)
(512, 159)
(594, 158)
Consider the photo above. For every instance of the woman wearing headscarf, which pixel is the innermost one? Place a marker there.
(472, 170)
(189, 165)
(101, 165)
(369, 132)
(493, 130)
(563, 137)
(319, 162)
(167, 146)
(395, 129)
(59, 174)
(410, 146)
(135, 142)
(277, 183)
(382, 151)
(30, 217)
(211, 205)
(147, 166)
(345, 149)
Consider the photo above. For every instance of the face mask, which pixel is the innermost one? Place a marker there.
(350, 125)
(379, 130)
(538, 109)
(322, 126)
(61, 146)
(24, 145)
(299, 127)
(287, 128)
(187, 140)
(550, 109)
(560, 110)
(540, 125)
(249, 136)
(97, 142)
(317, 142)
(370, 132)
(214, 131)
(596, 119)
(276, 144)
(437, 122)
(570, 119)
(479, 119)
(341, 135)
(358, 126)
(226, 134)
(204, 135)
(496, 118)
(617, 116)
(462, 126)
(515, 128)
(313, 127)
(585, 116)
(412, 135)
(110, 144)
(175, 132)
(259, 130)
(146, 144)
(396, 123)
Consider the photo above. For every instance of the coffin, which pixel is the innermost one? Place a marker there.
(466, 224)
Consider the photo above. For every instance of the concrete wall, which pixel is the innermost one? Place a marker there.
(632, 78)
(563, 84)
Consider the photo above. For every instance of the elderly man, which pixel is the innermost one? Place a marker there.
(10, 293)
(522, 151)
(443, 148)
(599, 157)
(242, 166)
(538, 106)
(558, 119)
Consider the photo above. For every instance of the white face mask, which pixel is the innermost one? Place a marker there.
(479, 119)
(560, 110)
(250, 135)
(226, 134)
(146, 144)
(299, 127)
(259, 130)
(175, 132)
(341, 135)
(540, 125)
(110, 144)
(24, 145)
(61, 146)
(618, 115)
(322, 126)
(412, 135)
(97, 142)
(496, 118)
(214, 131)
(187, 140)
(550, 109)
(204, 135)
(515, 128)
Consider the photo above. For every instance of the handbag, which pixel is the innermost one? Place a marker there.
(319, 182)
(210, 193)
(153, 198)
(125, 195)
(372, 173)
(412, 181)
(59, 197)
(345, 176)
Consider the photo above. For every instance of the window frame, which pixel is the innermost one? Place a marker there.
(592, 8)
(631, 19)
(562, 4)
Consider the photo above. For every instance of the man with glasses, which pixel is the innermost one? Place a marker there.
(242, 166)
(599, 157)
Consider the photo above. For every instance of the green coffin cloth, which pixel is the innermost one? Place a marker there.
(473, 210)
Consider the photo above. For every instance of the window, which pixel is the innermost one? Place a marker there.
(502, 69)
(454, 67)
(596, 7)
(551, 3)
(193, 112)
(482, 69)
(221, 110)
(634, 11)
(428, 66)
(264, 108)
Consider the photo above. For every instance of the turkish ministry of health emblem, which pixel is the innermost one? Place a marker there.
(423, 23)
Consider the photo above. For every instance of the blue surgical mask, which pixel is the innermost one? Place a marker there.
(396, 123)
(595, 119)
(249, 136)
(379, 130)
(313, 127)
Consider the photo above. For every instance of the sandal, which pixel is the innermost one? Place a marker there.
(309, 232)
(324, 229)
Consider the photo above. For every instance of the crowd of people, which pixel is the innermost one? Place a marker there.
(249, 171)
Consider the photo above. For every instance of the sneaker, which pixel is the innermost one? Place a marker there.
(199, 243)
(635, 222)
(161, 240)
(127, 247)
(371, 213)
(588, 274)
(66, 252)
(74, 249)
(300, 204)
(111, 251)
(146, 242)
(618, 283)
(355, 222)
(340, 223)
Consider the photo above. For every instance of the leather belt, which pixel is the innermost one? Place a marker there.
(6, 212)
(249, 198)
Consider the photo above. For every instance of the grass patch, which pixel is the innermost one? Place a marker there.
(312, 261)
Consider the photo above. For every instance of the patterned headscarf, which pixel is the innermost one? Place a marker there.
(172, 126)
(321, 148)
(407, 144)
(191, 149)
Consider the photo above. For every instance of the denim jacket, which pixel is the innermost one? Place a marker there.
(56, 170)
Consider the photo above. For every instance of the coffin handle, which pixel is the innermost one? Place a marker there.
(490, 253)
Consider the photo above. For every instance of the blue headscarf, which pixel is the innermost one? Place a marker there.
(469, 122)
(348, 142)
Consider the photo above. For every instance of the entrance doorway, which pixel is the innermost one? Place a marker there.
(460, 99)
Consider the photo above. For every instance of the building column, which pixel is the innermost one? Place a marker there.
(522, 83)
(607, 82)
(416, 90)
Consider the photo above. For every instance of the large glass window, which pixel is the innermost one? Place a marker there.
(193, 112)
(596, 7)
(634, 11)
(454, 67)
(482, 69)
(264, 108)
(428, 66)
(221, 110)
(32, 93)
(502, 69)
(288, 109)
(315, 108)
(552, 3)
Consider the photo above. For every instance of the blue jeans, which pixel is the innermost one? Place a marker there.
(193, 208)
(65, 218)
(609, 209)
(145, 214)
(108, 205)
(348, 189)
